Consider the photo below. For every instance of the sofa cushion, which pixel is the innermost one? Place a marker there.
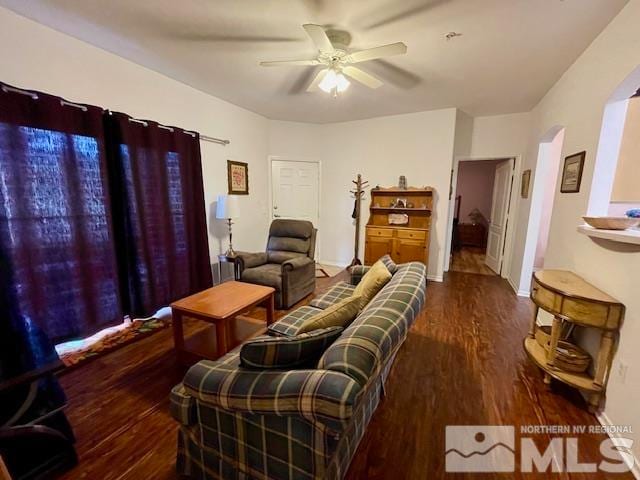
(278, 256)
(336, 293)
(269, 274)
(291, 228)
(372, 282)
(339, 315)
(375, 335)
(288, 244)
(290, 324)
(287, 352)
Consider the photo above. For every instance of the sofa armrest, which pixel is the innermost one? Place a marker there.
(250, 260)
(321, 396)
(297, 262)
(357, 272)
(182, 406)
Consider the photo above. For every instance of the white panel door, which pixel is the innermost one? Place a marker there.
(499, 216)
(295, 190)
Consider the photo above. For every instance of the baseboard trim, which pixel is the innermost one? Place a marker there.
(518, 292)
(605, 421)
(332, 264)
(435, 278)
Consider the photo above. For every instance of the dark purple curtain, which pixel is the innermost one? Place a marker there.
(159, 214)
(58, 271)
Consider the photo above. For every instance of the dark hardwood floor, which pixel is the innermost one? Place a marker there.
(462, 364)
(470, 260)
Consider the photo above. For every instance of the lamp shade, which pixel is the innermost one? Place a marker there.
(227, 207)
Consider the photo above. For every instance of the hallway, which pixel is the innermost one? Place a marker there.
(470, 260)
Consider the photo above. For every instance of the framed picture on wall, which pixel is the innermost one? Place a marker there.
(524, 186)
(238, 177)
(572, 173)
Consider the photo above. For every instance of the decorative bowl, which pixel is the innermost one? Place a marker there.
(569, 357)
(612, 223)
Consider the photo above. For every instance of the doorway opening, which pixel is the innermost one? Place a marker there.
(542, 197)
(480, 218)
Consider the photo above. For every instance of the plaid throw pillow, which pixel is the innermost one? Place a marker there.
(287, 352)
(389, 263)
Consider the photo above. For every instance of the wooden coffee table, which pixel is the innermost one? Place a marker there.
(219, 305)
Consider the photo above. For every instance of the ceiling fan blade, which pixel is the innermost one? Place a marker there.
(405, 13)
(207, 37)
(398, 48)
(319, 37)
(288, 63)
(393, 74)
(313, 86)
(362, 77)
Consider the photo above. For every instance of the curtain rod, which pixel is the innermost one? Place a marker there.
(206, 138)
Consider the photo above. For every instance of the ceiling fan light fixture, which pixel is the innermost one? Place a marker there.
(334, 81)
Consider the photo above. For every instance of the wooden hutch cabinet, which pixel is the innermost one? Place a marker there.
(401, 231)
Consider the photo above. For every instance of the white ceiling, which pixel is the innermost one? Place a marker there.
(510, 54)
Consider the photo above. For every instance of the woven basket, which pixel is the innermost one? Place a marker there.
(569, 357)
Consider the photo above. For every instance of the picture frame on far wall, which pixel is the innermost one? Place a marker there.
(572, 172)
(524, 186)
(238, 177)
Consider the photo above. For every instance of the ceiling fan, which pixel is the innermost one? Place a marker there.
(333, 53)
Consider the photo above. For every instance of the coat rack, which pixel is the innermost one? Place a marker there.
(361, 185)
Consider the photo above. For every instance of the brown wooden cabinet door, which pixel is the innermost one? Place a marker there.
(410, 250)
(377, 247)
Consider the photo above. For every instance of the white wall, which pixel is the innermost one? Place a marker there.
(577, 102)
(500, 136)
(418, 145)
(36, 57)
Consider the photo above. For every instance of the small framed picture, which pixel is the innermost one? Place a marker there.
(524, 186)
(572, 173)
(401, 203)
(238, 177)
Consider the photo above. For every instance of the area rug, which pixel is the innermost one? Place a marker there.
(136, 330)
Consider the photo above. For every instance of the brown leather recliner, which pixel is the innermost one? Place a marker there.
(287, 265)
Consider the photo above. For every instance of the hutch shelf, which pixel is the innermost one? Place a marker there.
(400, 231)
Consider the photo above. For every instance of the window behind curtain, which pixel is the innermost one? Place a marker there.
(56, 237)
(160, 219)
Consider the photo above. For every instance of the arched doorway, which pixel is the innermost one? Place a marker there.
(543, 192)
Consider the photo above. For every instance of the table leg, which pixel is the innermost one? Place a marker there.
(556, 328)
(532, 329)
(270, 304)
(178, 334)
(605, 355)
(221, 337)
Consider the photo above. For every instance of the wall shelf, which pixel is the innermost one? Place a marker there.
(622, 236)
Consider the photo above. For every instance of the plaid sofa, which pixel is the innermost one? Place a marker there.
(238, 423)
